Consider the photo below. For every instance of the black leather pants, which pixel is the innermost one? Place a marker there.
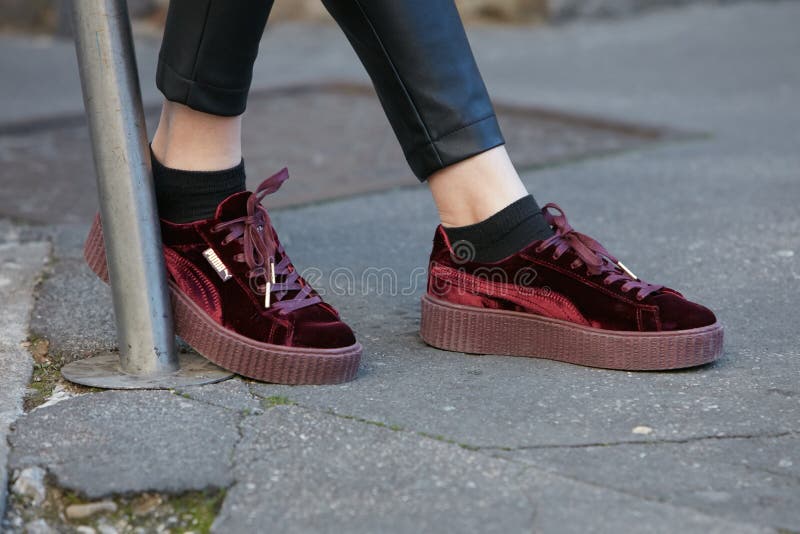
(415, 51)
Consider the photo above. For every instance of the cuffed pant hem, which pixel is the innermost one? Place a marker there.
(199, 96)
(458, 145)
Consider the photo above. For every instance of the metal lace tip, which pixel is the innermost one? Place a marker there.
(217, 265)
(272, 271)
(270, 281)
(627, 271)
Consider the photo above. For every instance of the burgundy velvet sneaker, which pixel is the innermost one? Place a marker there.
(563, 298)
(239, 301)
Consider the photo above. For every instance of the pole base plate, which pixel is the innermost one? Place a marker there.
(103, 371)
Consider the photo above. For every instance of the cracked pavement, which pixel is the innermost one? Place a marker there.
(278, 459)
(426, 440)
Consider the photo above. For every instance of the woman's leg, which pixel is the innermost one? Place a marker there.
(504, 277)
(419, 59)
(204, 71)
(476, 188)
(196, 141)
(237, 298)
(208, 51)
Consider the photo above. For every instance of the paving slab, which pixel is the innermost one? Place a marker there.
(304, 471)
(20, 266)
(70, 300)
(123, 442)
(751, 479)
(234, 395)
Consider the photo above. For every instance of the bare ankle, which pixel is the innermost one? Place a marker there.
(191, 140)
(473, 190)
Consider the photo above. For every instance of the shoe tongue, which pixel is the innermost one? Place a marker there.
(232, 207)
(235, 206)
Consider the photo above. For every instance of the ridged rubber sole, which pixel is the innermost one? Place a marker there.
(481, 331)
(237, 353)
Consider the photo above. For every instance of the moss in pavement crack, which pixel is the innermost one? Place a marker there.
(399, 428)
(191, 511)
(381, 424)
(276, 400)
(439, 437)
(46, 373)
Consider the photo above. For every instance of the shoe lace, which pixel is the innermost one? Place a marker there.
(598, 261)
(260, 249)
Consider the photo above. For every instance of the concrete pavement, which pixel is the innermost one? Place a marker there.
(21, 265)
(435, 441)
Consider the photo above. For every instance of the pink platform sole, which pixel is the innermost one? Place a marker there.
(482, 331)
(234, 352)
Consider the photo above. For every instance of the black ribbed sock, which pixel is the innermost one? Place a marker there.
(506, 232)
(186, 196)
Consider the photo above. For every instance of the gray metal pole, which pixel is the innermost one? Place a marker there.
(127, 204)
(113, 102)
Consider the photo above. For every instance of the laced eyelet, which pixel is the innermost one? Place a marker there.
(575, 264)
(639, 297)
(538, 249)
(556, 256)
(606, 282)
